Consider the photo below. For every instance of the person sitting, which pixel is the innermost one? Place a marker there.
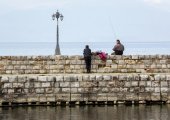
(118, 48)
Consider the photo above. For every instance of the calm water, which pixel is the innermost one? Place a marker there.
(120, 112)
(76, 48)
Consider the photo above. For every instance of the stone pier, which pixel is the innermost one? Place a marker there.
(58, 80)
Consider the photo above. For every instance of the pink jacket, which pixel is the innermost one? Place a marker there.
(103, 56)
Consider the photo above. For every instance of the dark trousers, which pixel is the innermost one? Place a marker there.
(117, 52)
(88, 64)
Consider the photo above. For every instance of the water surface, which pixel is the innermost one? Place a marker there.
(120, 112)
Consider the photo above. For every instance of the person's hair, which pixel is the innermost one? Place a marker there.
(87, 46)
(118, 41)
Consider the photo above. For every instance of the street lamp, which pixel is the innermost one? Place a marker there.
(57, 15)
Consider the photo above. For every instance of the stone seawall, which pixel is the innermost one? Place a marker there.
(84, 88)
(75, 64)
(60, 79)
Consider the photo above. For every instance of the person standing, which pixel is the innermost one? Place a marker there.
(118, 48)
(87, 57)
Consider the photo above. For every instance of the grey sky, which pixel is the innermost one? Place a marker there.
(85, 21)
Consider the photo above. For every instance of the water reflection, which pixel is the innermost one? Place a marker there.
(120, 112)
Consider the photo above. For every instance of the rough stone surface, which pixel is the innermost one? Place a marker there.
(62, 78)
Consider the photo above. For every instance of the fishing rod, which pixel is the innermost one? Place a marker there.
(114, 33)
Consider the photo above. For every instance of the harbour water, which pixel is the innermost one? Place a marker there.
(120, 112)
(76, 48)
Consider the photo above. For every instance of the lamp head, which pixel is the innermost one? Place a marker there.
(61, 17)
(53, 16)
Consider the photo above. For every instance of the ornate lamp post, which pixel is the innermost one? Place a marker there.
(57, 15)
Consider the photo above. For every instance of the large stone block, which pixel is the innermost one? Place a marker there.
(144, 77)
(155, 97)
(7, 85)
(43, 99)
(155, 83)
(51, 99)
(4, 79)
(149, 89)
(31, 98)
(13, 78)
(99, 77)
(132, 97)
(42, 78)
(51, 78)
(142, 83)
(107, 77)
(73, 78)
(148, 83)
(22, 79)
(134, 83)
(18, 85)
(75, 84)
(86, 77)
(92, 77)
(123, 77)
(40, 90)
(65, 84)
(76, 97)
(67, 78)
(164, 90)
(112, 97)
(46, 84)
(60, 78)
(101, 97)
(32, 78)
(157, 90)
(74, 90)
(164, 84)
(63, 97)
(49, 90)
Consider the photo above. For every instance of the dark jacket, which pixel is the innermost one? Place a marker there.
(87, 52)
(118, 47)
